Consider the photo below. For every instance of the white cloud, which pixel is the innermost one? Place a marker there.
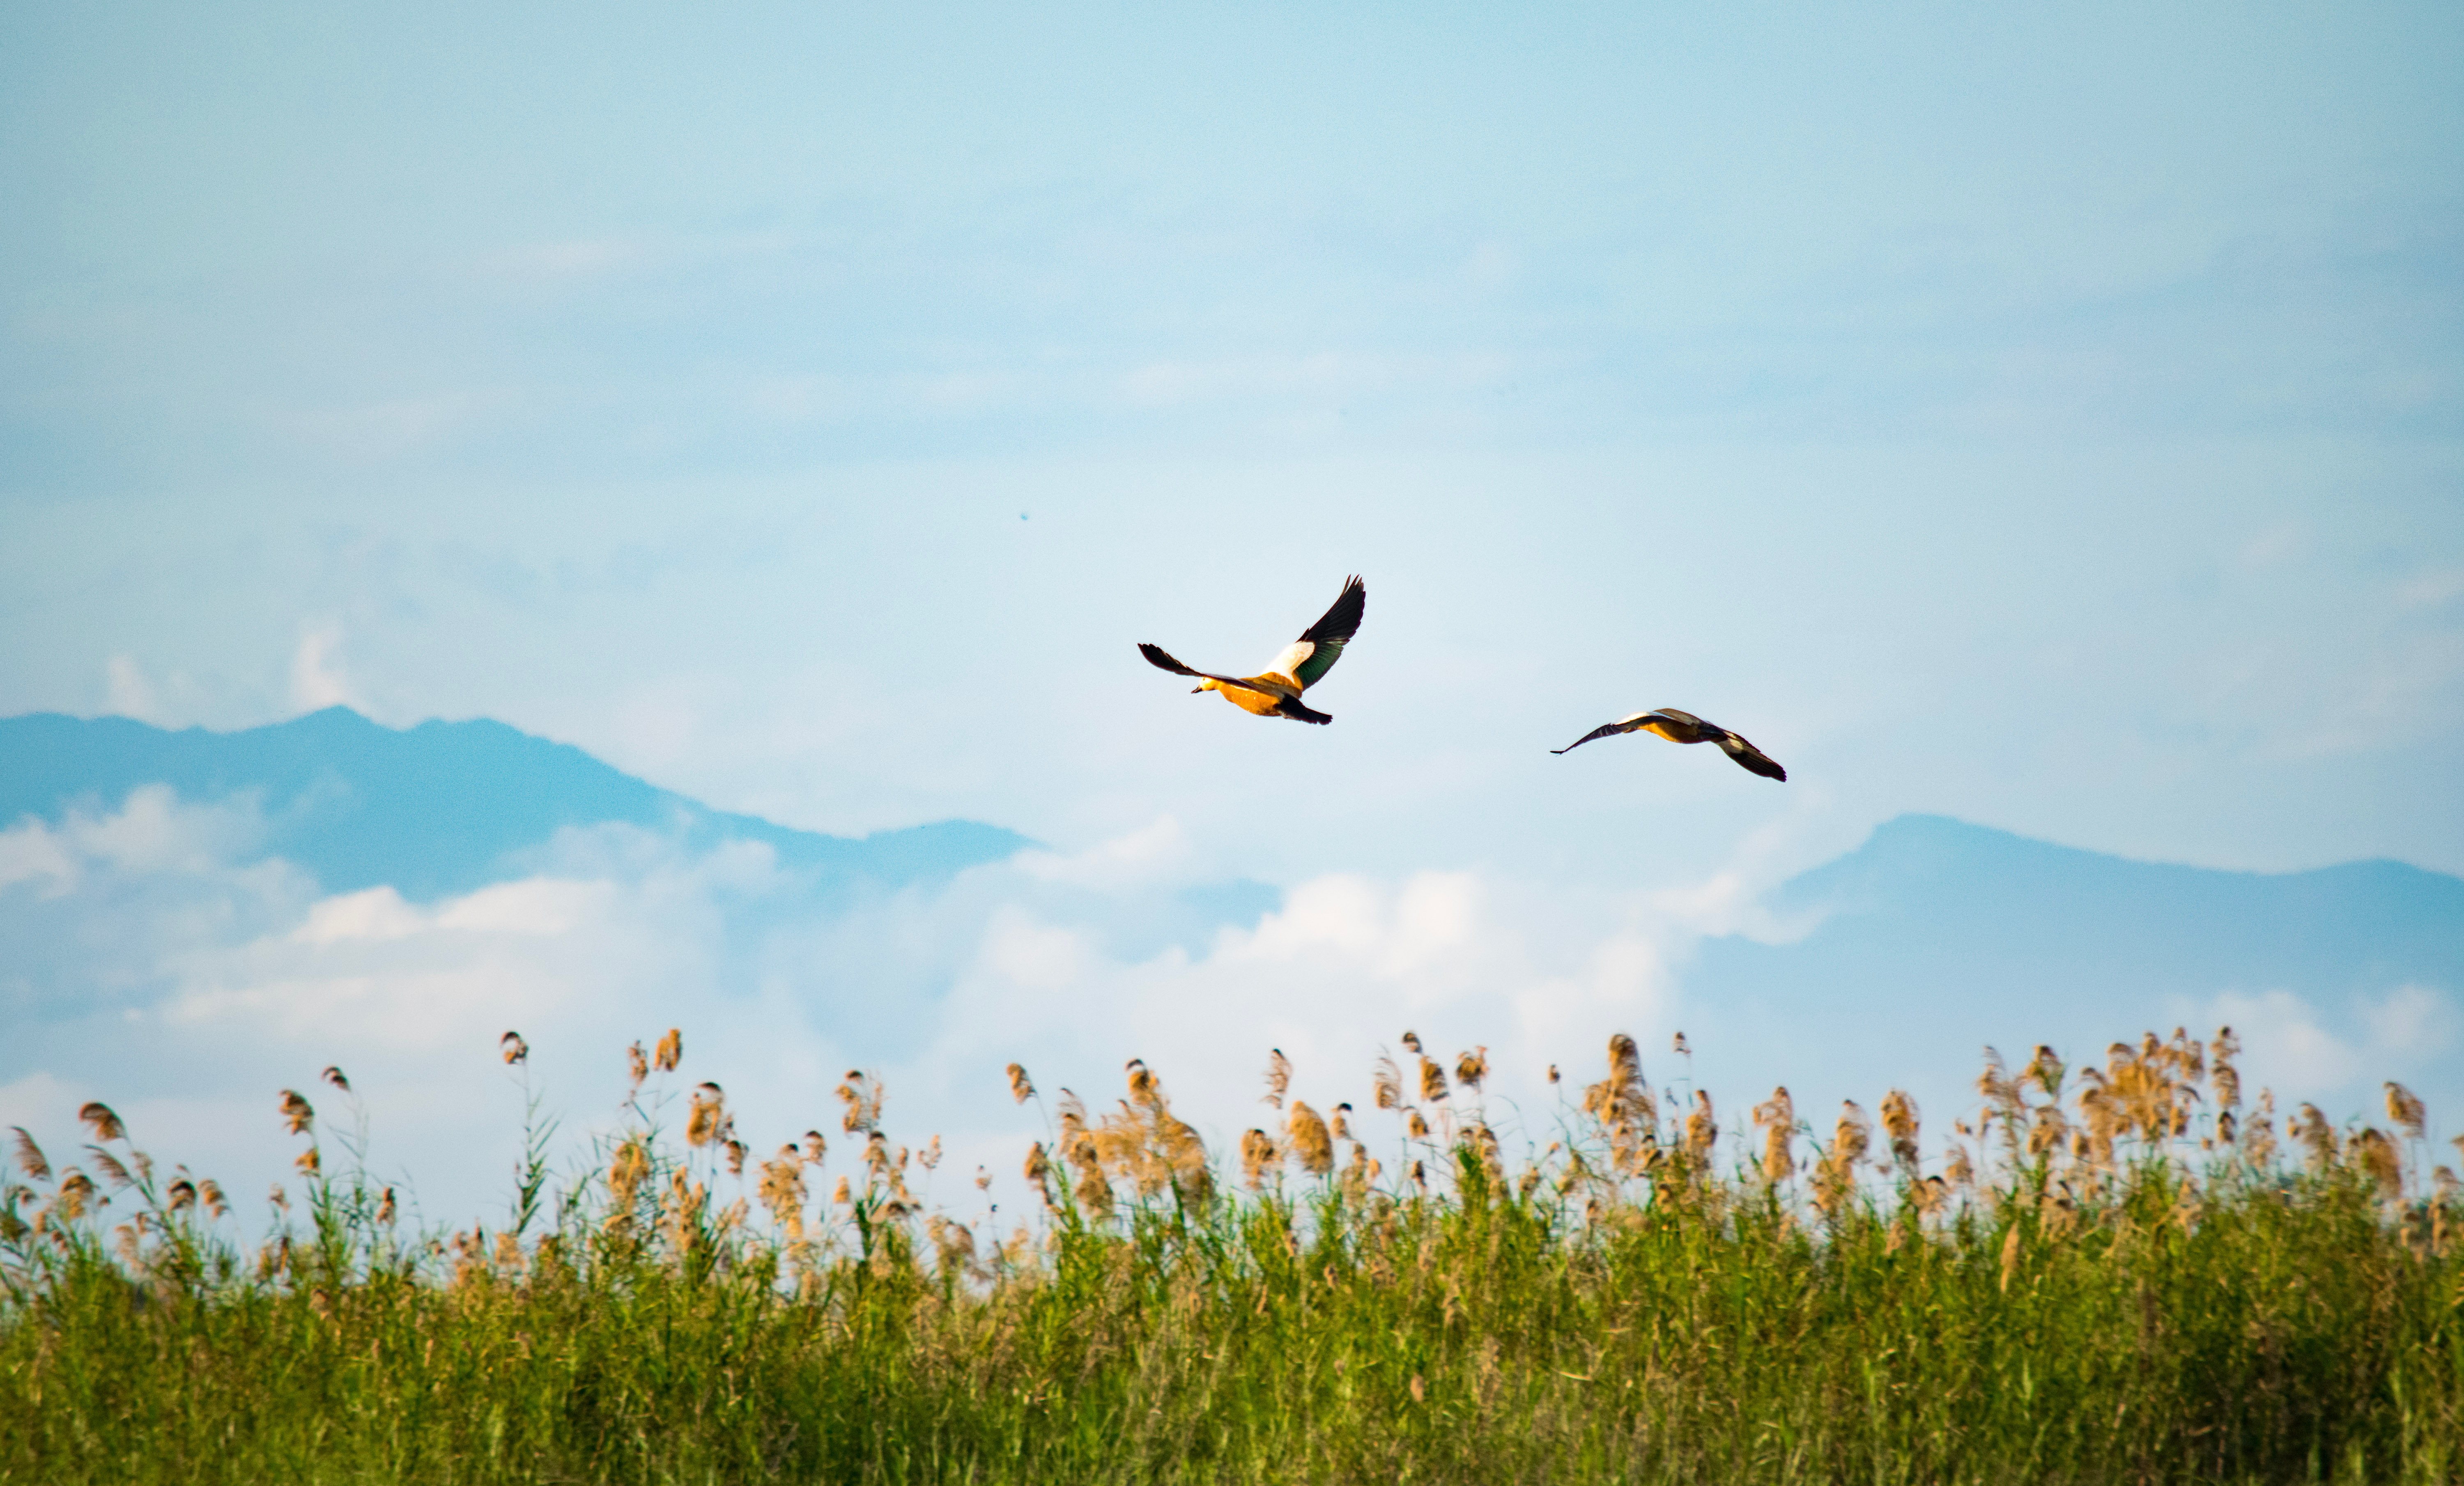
(316, 677)
(130, 694)
(621, 935)
(2288, 1045)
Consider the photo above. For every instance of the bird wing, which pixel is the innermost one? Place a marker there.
(1161, 660)
(1320, 645)
(1606, 729)
(1750, 757)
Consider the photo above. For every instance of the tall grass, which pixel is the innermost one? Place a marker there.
(2110, 1274)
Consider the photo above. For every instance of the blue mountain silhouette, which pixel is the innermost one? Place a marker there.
(1937, 938)
(436, 809)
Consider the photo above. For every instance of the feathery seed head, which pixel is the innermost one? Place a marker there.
(1677, 1045)
(512, 1049)
(75, 1195)
(637, 1065)
(1146, 1090)
(183, 1193)
(1412, 1041)
(1701, 1128)
(1388, 1081)
(671, 1051)
(1278, 1078)
(1471, 1069)
(1257, 1155)
(702, 1125)
(930, 1157)
(1553, 1075)
(815, 1148)
(297, 1113)
(861, 1094)
(1900, 1124)
(2380, 1161)
(1020, 1088)
(210, 1192)
(1340, 1119)
(2405, 1108)
(2312, 1129)
(334, 1076)
(1416, 1127)
(1433, 1080)
(30, 1156)
(1312, 1145)
(736, 1154)
(106, 1125)
(385, 1207)
(1039, 1166)
(626, 1171)
(112, 1170)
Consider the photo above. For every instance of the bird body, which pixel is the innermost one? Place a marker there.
(1677, 727)
(1276, 691)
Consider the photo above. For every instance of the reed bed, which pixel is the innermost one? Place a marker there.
(2112, 1273)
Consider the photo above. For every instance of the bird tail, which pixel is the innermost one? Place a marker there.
(1295, 708)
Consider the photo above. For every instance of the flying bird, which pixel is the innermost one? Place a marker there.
(1686, 728)
(1276, 691)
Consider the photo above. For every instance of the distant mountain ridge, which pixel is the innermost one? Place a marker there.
(1936, 938)
(432, 810)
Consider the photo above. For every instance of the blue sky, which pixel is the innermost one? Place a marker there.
(2053, 420)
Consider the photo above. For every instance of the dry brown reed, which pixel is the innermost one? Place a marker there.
(1776, 1118)
(2405, 1108)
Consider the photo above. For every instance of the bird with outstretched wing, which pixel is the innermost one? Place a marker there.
(1677, 727)
(1276, 691)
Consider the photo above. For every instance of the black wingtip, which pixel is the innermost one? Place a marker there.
(1342, 618)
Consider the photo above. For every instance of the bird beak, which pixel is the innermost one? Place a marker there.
(1194, 691)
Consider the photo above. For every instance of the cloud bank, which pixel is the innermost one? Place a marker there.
(167, 969)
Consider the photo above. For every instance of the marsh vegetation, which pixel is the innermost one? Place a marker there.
(2123, 1271)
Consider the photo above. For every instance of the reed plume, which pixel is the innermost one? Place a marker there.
(671, 1051)
(1309, 1140)
(1702, 1130)
(1278, 1078)
(1387, 1080)
(298, 1115)
(1257, 1157)
(2407, 1110)
(1776, 1118)
(1899, 1126)
(1022, 1089)
(106, 1125)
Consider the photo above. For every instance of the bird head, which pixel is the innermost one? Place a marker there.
(1208, 685)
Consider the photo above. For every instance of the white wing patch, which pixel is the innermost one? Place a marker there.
(1288, 663)
(1622, 721)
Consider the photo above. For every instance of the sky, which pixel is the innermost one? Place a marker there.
(2051, 419)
